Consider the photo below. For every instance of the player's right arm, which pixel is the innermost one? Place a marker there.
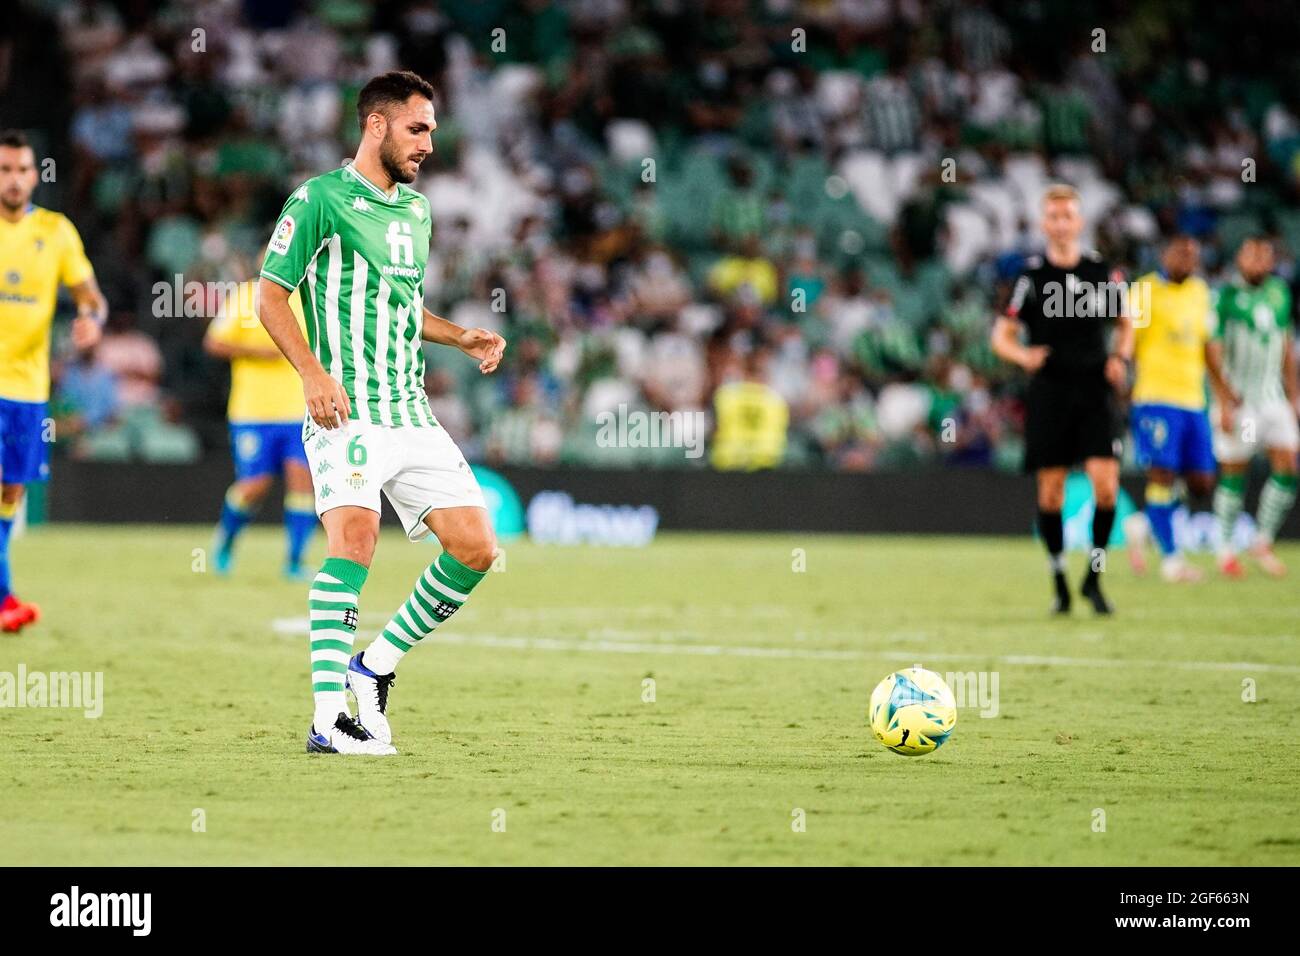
(1224, 395)
(1005, 339)
(297, 239)
(327, 402)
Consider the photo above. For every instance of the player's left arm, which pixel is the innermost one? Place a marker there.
(1290, 373)
(1223, 392)
(92, 312)
(1121, 352)
(76, 272)
(482, 344)
(1289, 381)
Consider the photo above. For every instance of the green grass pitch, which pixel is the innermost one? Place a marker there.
(529, 710)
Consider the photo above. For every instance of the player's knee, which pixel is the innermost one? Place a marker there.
(1051, 493)
(11, 494)
(355, 541)
(1105, 487)
(475, 551)
(1051, 499)
(254, 489)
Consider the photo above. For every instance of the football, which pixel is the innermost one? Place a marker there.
(912, 712)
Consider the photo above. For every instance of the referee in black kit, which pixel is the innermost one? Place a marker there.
(1067, 302)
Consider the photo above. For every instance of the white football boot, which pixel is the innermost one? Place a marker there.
(1268, 561)
(1176, 570)
(371, 692)
(347, 737)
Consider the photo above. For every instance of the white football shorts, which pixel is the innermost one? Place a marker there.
(1256, 428)
(418, 469)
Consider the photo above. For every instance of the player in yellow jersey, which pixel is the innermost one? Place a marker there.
(40, 250)
(1171, 429)
(266, 411)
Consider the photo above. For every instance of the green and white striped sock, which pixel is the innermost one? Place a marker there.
(439, 592)
(333, 612)
(1228, 498)
(1274, 502)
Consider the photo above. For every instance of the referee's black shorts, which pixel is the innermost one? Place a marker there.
(1069, 419)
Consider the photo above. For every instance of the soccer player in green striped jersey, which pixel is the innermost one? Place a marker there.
(1258, 361)
(355, 241)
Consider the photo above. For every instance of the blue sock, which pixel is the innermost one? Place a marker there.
(235, 514)
(299, 523)
(1160, 513)
(6, 525)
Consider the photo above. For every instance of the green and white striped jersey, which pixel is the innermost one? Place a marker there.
(359, 257)
(1253, 324)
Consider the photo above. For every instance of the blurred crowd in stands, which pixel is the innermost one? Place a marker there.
(653, 198)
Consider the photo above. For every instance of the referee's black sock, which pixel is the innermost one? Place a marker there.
(1103, 522)
(1049, 526)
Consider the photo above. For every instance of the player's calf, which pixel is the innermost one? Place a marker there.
(1051, 530)
(1229, 498)
(1103, 523)
(438, 594)
(238, 508)
(1275, 502)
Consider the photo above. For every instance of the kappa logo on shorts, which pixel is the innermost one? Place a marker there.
(325, 492)
(322, 442)
(323, 467)
(350, 618)
(248, 445)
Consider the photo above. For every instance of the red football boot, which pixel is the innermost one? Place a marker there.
(1231, 567)
(15, 615)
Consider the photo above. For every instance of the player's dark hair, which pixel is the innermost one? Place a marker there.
(14, 139)
(388, 90)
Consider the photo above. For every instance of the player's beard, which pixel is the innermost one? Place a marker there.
(13, 205)
(393, 160)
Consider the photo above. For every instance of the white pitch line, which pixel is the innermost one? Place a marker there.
(301, 625)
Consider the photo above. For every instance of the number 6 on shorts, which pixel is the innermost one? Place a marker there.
(356, 452)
